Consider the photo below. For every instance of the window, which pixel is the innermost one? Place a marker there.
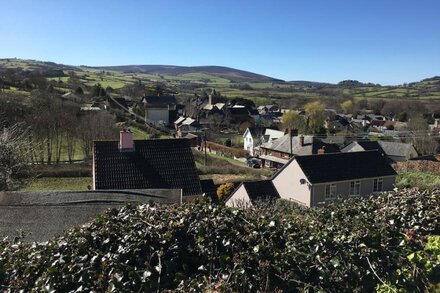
(330, 191)
(378, 184)
(355, 188)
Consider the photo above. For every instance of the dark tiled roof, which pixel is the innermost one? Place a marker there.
(238, 111)
(371, 146)
(261, 190)
(159, 100)
(344, 166)
(162, 163)
(256, 132)
(208, 186)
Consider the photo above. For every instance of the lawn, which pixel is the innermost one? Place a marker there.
(58, 183)
(422, 180)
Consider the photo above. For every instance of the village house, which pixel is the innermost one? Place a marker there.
(187, 125)
(310, 180)
(314, 179)
(145, 164)
(277, 153)
(266, 109)
(394, 151)
(253, 137)
(159, 110)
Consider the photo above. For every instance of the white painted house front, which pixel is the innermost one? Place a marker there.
(251, 139)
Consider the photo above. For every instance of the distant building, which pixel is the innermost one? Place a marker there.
(252, 138)
(277, 153)
(159, 109)
(394, 151)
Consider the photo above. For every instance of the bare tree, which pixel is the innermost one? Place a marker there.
(15, 156)
(95, 126)
(421, 136)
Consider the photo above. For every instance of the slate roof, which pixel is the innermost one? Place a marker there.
(371, 145)
(43, 215)
(256, 132)
(392, 148)
(311, 145)
(179, 120)
(161, 163)
(159, 100)
(261, 190)
(238, 111)
(344, 166)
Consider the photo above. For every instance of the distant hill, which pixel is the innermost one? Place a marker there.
(308, 83)
(219, 71)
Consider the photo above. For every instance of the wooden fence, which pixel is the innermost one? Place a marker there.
(224, 150)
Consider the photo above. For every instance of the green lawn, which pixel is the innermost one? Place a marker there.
(58, 183)
(422, 180)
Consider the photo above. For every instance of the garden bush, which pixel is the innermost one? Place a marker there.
(359, 245)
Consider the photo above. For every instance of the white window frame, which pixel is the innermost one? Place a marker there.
(330, 191)
(355, 188)
(376, 182)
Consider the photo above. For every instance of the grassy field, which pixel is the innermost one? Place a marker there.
(58, 183)
(422, 180)
(261, 93)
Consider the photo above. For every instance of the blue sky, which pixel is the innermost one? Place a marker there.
(381, 41)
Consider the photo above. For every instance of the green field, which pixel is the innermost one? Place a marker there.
(263, 92)
(58, 183)
(421, 180)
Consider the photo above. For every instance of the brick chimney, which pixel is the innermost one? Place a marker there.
(301, 140)
(126, 143)
(321, 151)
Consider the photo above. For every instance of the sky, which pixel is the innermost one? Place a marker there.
(380, 41)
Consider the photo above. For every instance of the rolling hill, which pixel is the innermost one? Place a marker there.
(219, 71)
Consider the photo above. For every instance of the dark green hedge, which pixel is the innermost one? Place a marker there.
(351, 246)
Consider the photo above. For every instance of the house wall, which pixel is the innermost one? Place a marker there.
(343, 188)
(239, 198)
(248, 142)
(157, 114)
(273, 153)
(288, 185)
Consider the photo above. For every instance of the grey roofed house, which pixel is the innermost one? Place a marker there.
(277, 152)
(308, 147)
(43, 215)
(313, 179)
(310, 180)
(140, 164)
(395, 151)
(248, 194)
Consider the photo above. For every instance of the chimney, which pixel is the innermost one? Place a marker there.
(126, 143)
(301, 141)
(321, 151)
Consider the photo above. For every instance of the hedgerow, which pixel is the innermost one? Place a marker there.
(384, 243)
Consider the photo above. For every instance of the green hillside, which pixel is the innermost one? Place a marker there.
(230, 82)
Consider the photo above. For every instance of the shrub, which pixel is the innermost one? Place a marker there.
(357, 245)
(224, 190)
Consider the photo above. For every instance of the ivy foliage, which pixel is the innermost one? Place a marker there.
(386, 242)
